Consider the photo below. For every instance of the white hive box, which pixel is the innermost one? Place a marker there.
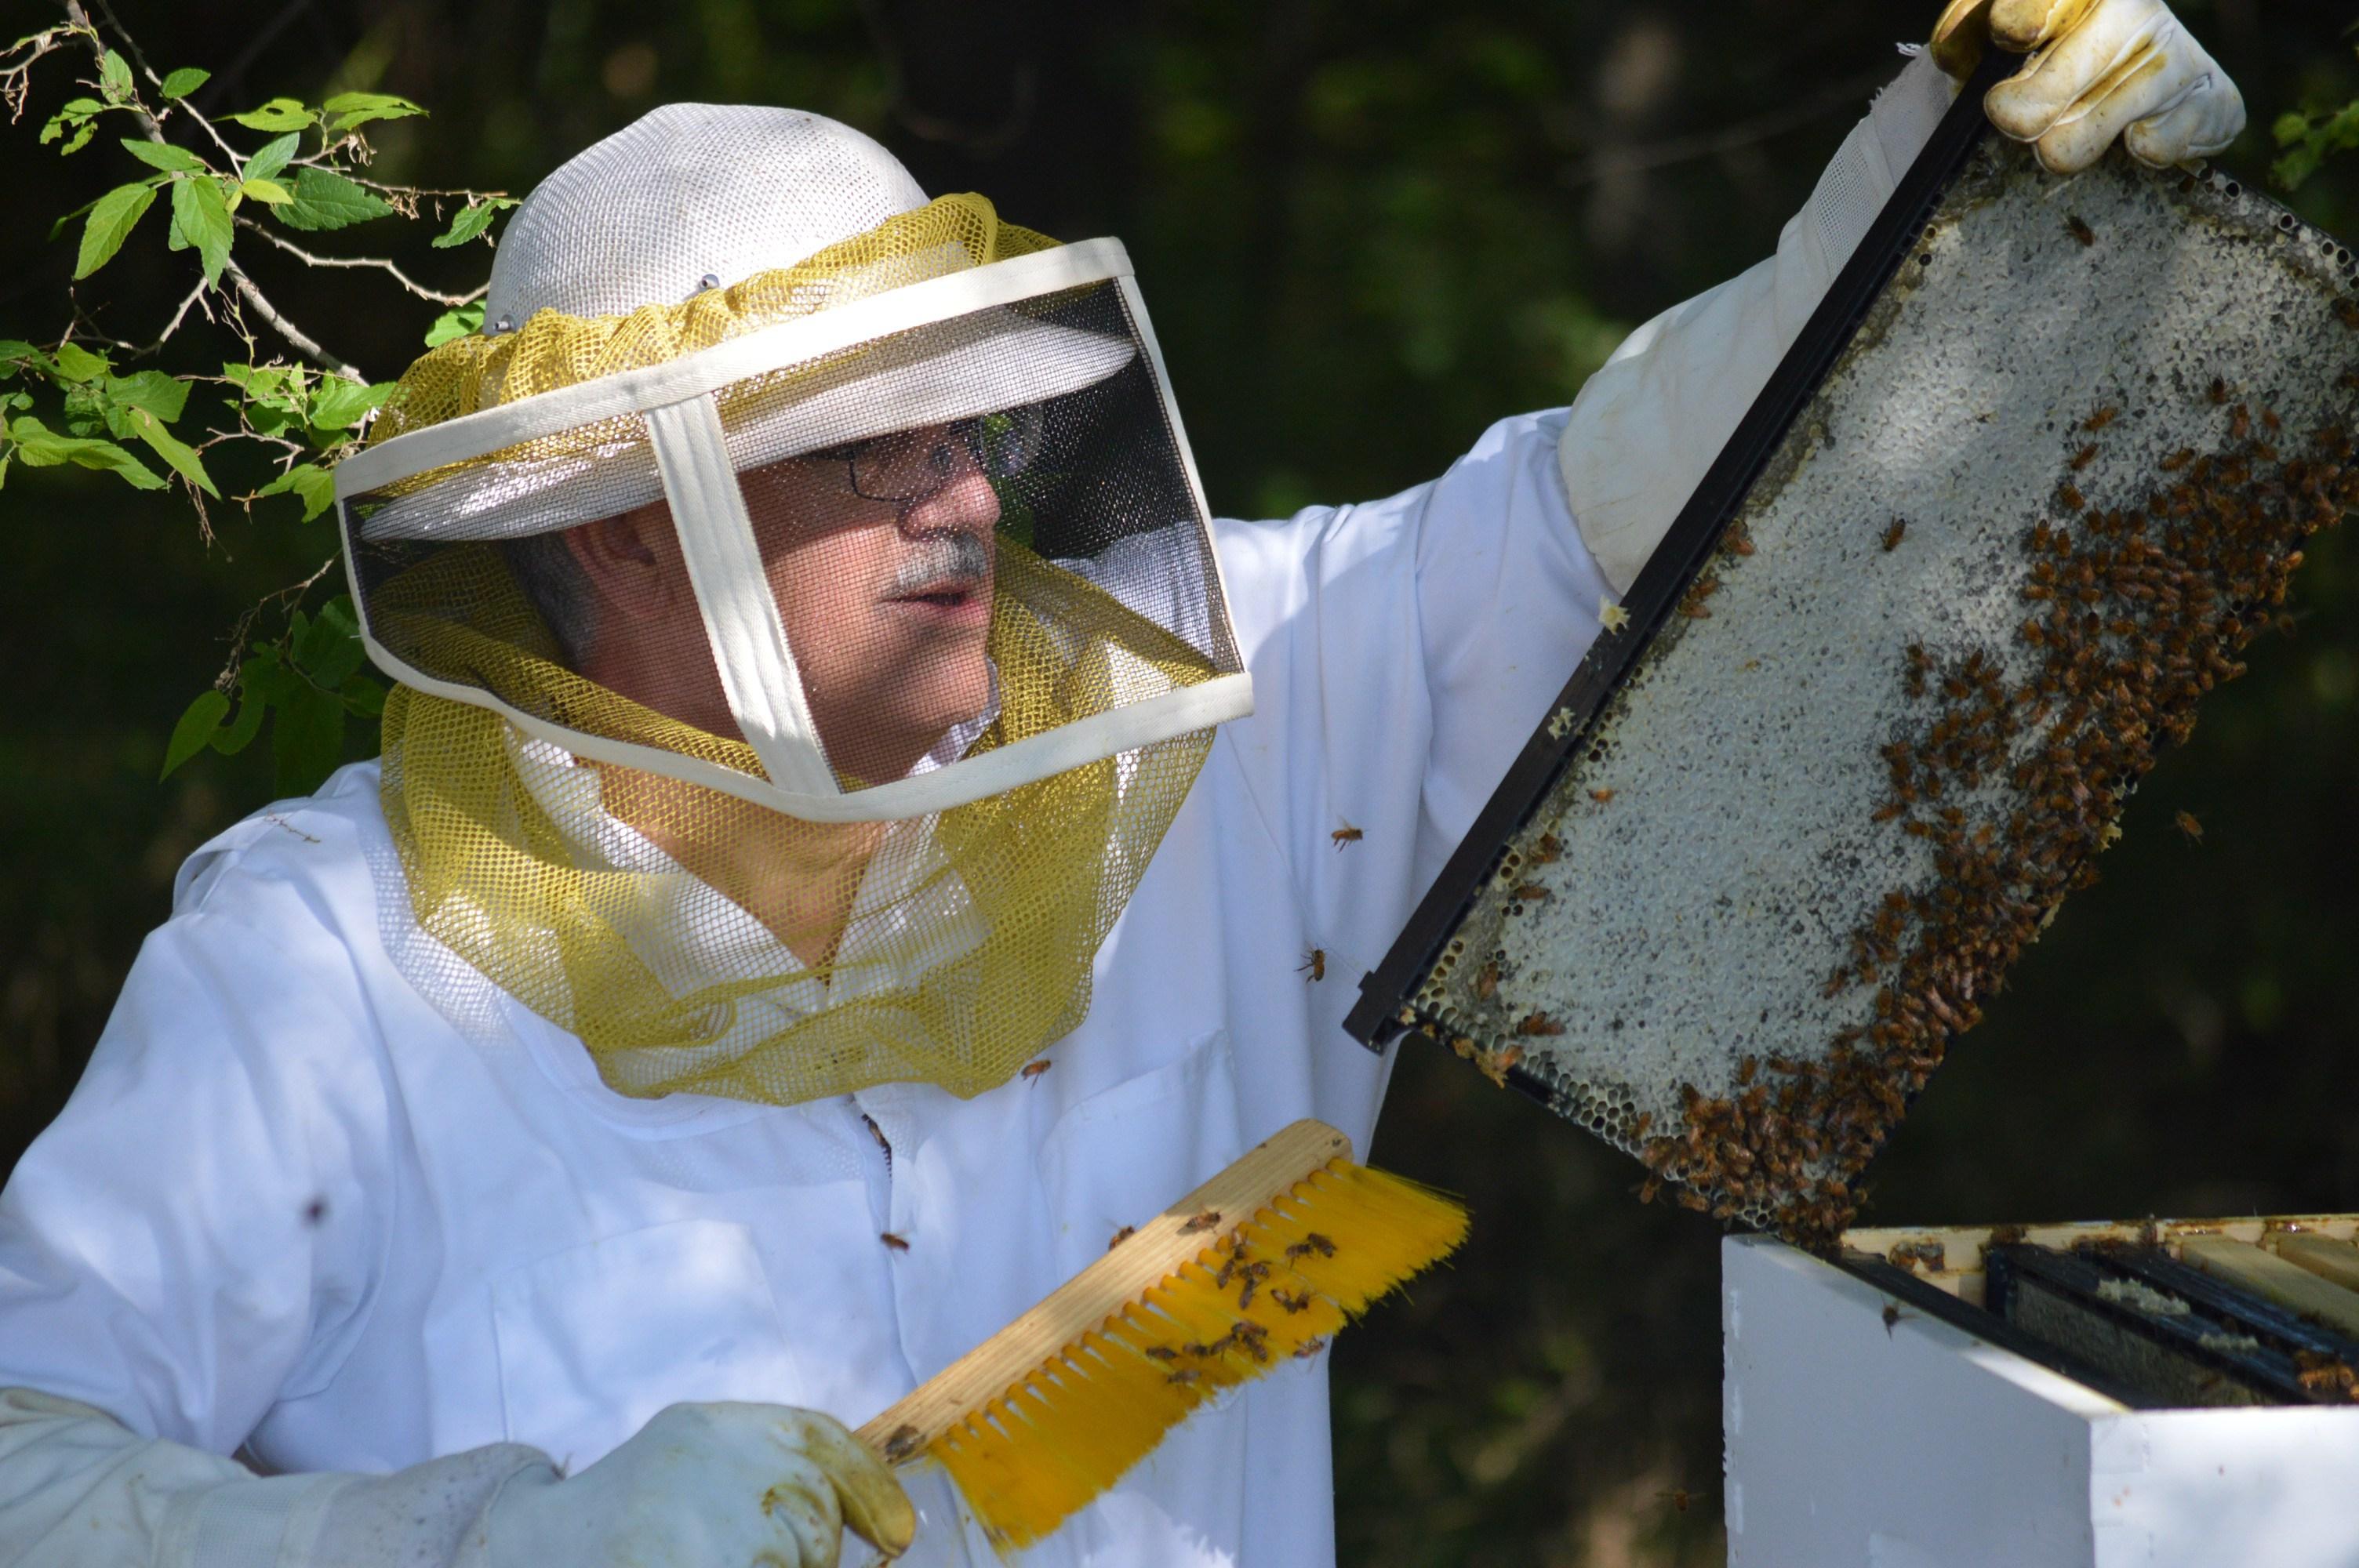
(1863, 1430)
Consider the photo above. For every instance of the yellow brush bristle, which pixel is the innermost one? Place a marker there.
(1277, 1285)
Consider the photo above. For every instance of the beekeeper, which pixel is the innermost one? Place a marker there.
(849, 838)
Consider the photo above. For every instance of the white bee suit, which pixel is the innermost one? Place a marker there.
(292, 1208)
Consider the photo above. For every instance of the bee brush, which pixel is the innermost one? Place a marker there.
(1265, 1261)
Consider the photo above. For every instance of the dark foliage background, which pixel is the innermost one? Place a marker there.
(1366, 230)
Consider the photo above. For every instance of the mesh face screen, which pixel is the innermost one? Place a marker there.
(965, 535)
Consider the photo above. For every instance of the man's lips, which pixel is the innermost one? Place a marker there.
(957, 600)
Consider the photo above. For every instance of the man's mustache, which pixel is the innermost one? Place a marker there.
(940, 558)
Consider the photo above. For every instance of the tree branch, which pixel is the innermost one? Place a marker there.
(380, 263)
(302, 342)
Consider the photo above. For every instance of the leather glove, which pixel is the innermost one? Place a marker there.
(716, 1485)
(2099, 69)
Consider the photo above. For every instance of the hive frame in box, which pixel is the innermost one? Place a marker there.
(1873, 1418)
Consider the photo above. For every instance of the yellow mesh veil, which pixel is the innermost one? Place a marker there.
(722, 940)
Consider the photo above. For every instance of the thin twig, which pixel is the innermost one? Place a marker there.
(194, 296)
(380, 263)
(303, 341)
(15, 81)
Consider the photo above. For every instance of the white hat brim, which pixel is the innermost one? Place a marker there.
(980, 364)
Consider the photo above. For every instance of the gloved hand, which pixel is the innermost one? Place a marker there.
(2099, 69)
(712, 1485)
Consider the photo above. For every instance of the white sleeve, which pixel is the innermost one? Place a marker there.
(1649, 424)
(198, 1237)
(78, 1489)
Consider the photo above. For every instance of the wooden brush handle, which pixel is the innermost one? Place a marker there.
(1141, 1261)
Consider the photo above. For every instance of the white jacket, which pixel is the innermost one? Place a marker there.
(291, 1209)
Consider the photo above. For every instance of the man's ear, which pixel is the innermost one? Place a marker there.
(633, 561)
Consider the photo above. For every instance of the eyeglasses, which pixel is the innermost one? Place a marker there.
(909, 465)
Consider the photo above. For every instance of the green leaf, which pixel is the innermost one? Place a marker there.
(58, 226)
(457, 323)
(307, 738)
(16, 356)
(198, 725)
(338, 405)
(279, 114)
(269, 192)
(328, 650)
(165, 397)
(78, 363)
(471, 220)
(259, 679)
(112, 218)
(364, 694)
(114, 77)
(265, 164)
(177, 453)
(356, 109)
(203, 213)
(75, 115)
(312, 484)
(41, 447)
(163, 155)
(185, 80)
(327, 200)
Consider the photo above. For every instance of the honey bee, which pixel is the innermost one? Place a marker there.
(1347, 834)
(2070, 498)
(2239, 423)
(2084, 456)
(1602, 796)
(2188, 825)
(1893, 533)
(1309, 1349)
(904, 1440)
(1159, 1353)
(2346, 311)
(2218, 392)
(1124, 1234)
(2080, 230)
(1531, 892)
(2101, 418)
(897, 1243)
(1314, 963)
(1291, 1301)
(1650, 1189)
(1737, 541)
(1312, 1243)
(2179, 459)
(1893, 1316)
(1034, 1069)
(1486, 984)
(1538, 1025)
(1548, 851)
(1680, 1498)
(1746, 1069)
(1185, 1376)
(1199, 1222)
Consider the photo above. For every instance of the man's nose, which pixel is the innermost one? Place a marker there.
(963, 503)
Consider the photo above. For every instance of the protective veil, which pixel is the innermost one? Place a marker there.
(805, 614)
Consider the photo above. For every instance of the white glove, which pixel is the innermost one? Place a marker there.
(2099, 70)
(715, 1485)
(712, 1485)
